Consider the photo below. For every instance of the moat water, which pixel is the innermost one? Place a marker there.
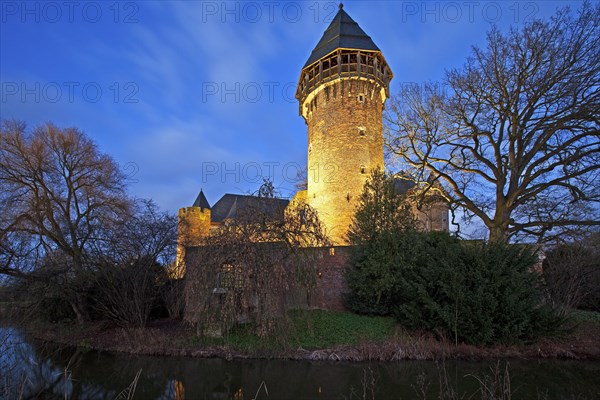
(29, 370)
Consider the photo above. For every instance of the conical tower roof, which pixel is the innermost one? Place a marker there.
(343, 33)
(201, 201)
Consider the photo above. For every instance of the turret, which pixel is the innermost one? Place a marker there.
(193, 226)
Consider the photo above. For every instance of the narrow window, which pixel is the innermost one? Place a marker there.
(361, 98)
(363, 169)
(361, 131)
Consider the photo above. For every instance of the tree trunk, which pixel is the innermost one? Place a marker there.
(498, 234)
(80, 310)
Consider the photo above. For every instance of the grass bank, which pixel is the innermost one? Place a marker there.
(308, 330)
(317, 335)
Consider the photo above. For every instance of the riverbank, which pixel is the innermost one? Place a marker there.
(316, 335)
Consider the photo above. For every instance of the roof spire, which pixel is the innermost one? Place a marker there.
(201, 201)
(341, 5)
(343, 33)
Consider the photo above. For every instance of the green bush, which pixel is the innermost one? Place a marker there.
(37, 300)
(376, 269)
(126, 293)
(473, 292)
(469, 292)
(52, 307)
(572, 274)
(380, 234)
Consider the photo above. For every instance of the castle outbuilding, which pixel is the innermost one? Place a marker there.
(197, 221)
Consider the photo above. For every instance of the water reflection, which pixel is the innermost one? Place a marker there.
(24, 375)
(36, 371)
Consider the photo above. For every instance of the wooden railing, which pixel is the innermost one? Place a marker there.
(344, 64)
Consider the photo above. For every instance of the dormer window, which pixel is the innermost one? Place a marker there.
(362, 131)
(363, 169)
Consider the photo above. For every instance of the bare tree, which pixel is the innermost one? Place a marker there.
(514, 137)
(244, 270)
(143, 232)
(58, 191)
(128, 263)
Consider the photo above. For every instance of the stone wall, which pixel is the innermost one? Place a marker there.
(331, 286)
(328, 293)
(433, 217)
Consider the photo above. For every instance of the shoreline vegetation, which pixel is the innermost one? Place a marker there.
(314, 336)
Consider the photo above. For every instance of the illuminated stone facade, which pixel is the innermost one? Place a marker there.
(194, 223)
(342, 91)
(345, 143)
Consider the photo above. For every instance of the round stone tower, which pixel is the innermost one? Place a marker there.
(342, 90)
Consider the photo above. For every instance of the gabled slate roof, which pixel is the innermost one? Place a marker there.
(403, 184)
(343, 33)
(201, 201)
(230, 205)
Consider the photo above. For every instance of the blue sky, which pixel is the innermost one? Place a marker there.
(187, 95)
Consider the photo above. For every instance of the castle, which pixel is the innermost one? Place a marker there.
(341, 92)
